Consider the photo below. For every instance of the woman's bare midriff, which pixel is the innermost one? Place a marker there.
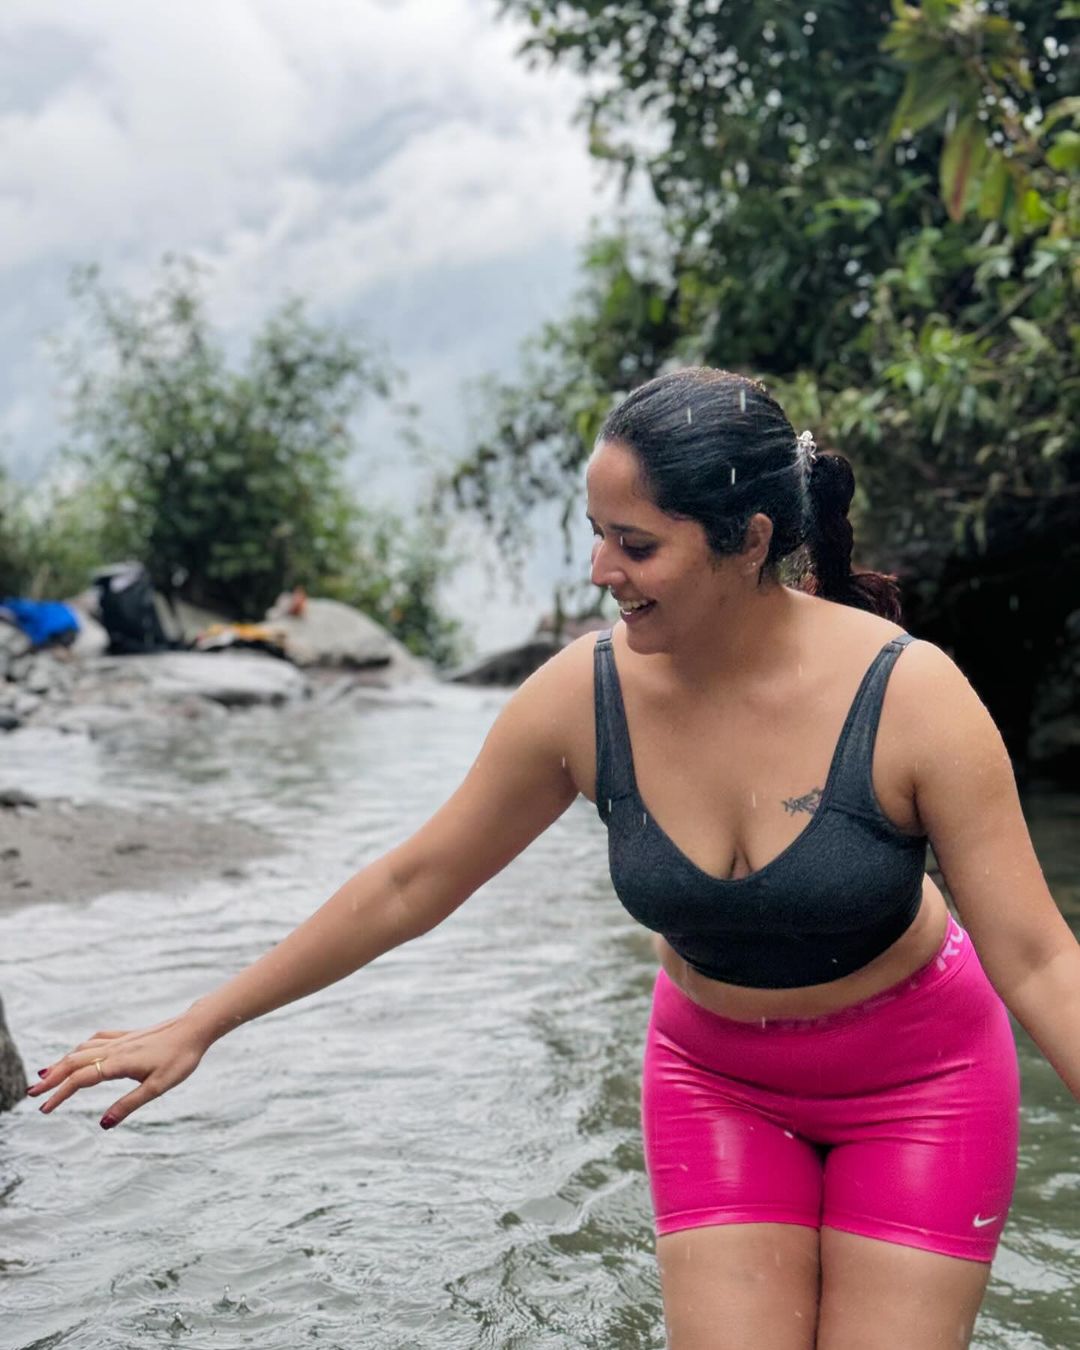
(908, 954)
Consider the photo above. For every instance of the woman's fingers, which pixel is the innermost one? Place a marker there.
(82, 1068)
(75, 1078)
(100, 1036)
(95, 1046)
(145, 1092)
(157, 1059)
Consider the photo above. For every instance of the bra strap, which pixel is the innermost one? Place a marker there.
(614, 762)
(853, 789)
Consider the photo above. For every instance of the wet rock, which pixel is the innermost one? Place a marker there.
(12, 1073)
(511, 666)
(242, 679)
(13, 642)
(19, 664)
(329, 633)
(21, 702)
(46, 674)
(96, 719)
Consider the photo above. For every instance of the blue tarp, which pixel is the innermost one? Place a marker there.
(40, 620)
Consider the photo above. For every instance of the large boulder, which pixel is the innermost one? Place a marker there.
(12, 1074)
(330, 633)
(510, 666)
(235, 679)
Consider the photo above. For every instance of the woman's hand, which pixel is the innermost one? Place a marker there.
(157, 1058)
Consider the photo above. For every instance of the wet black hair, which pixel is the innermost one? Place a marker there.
(715, 447)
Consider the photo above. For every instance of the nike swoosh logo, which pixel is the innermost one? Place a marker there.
(979, 1222)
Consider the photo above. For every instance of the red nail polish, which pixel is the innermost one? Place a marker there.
(107, 1122)
(42, 1072)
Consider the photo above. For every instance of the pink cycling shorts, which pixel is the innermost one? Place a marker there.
(896, 1118)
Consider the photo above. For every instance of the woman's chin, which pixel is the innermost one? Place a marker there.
(643, 635)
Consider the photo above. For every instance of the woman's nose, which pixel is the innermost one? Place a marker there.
(604, 572)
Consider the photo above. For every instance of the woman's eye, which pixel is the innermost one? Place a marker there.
(638, 553)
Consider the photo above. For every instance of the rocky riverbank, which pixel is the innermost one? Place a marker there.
(330, 652)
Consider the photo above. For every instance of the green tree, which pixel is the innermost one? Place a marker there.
(878, 214)
(227, 480)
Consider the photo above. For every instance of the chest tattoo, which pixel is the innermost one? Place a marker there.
(808, 802)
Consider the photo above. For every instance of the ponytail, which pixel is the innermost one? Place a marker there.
(829, 541)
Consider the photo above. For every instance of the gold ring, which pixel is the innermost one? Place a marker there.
(101, 1071)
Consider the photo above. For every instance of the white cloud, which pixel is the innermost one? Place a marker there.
(183, 131)
(396, 164)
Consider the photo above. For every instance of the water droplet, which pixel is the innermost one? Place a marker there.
(689, 416)
(643, 818)
(742, 400)
(733, 473)
(609, 806)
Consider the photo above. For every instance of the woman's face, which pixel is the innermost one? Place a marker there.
(669, 584)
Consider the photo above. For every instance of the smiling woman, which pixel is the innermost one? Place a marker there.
(830, 1087)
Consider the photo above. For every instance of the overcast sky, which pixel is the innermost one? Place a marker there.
(394, 163)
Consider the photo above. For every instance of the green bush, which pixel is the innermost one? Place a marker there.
(226, 482)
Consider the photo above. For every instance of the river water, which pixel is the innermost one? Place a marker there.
(440, 1152)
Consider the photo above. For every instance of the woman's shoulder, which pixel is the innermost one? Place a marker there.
(926, 687)
(562, 688)
(924, 682)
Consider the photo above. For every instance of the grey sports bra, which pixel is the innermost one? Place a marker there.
(841, 893)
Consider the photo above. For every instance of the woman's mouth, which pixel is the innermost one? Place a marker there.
(632, 611)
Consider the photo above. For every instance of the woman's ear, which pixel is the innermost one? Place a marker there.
(756, 540)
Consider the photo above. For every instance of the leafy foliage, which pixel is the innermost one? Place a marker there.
(878, 215)
(879, 218)
(226, 482)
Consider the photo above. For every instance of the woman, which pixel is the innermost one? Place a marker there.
(830, 1098)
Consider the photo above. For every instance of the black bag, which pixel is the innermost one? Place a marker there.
(127, 610)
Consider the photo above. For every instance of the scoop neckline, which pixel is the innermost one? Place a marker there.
(819, 812)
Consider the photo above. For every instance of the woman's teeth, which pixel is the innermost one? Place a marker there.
(628, 606)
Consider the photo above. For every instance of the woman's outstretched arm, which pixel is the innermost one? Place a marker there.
(967, 800)
(516, 788)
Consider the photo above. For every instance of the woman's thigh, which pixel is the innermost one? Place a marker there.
(879, 1295)
(742, 1286)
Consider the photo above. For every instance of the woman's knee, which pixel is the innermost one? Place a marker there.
(877, 1295)
(740, 1286)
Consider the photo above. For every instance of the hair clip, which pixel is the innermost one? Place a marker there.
(807, 446)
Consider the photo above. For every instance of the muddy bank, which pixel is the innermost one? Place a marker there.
(59, 850)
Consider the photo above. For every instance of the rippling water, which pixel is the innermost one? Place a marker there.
(440, 1152)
